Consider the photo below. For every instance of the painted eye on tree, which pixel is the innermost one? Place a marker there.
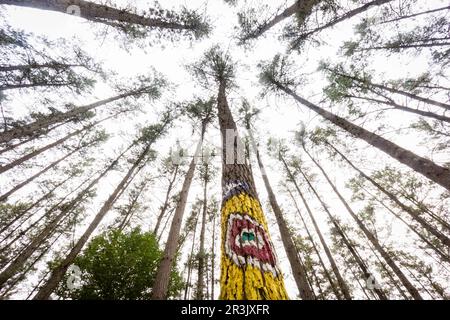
(248, 236)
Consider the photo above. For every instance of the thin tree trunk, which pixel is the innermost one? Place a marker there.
(426, 167)
(37, 152)
(41, 126)
(415, 14)
(422, 113)
(19, 186)
(166, 201)
(213, 260)
(58, 273)
(98, 13)
(316, 250)
(161, 284)
(346, 16)
(202, 253)
(190, 257)
(445, 240)
(298, 270)
(386, 255)
(299, 6)
(334, 267)
(126, 220)
(367, 83)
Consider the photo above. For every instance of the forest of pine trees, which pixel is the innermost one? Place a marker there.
(232, 150)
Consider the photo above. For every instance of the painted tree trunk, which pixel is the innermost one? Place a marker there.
(386, 255)
(426, 167)
(96, 12)
(161, 284)
(413, 213)
(298, 270)
(58, 273)
(334, 267)
(249, 266)
(202, 253)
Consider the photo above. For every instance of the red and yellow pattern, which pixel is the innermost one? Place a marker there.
(248, 262)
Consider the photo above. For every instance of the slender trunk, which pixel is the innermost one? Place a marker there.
(166, 201)
(427, 114)
(190, 257)
(413, 213)
(37, 152)
(334, 267)
(98, 13)
(19, 186)
(316, 250)
(161, 284)
(40, 126)
(299, 6)
(298, 270)
(367, 83)
(21, 259)
(249, 264)
(347, 15)
(58, 273)
(359, 261)
(404, 46)
(202, 253)
(426, 167)
(415, 14)
(386, 255)
(131, 209)
(213, 260)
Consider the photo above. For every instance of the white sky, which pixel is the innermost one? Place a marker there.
(280, 116)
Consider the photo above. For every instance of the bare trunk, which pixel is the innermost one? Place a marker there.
(426, 167)
(190, 257)
(58, 273)
(166, 202)
(298, 270)
(97, 12)
(334, 267)
(316, 250)
(161, 284)
(202, 253)
(414, 214)
(386, 255)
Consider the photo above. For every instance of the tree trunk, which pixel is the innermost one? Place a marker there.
(387, 256)
(166, 201)
(97, 13)
(213, 260)
(190, 257)
(20, 260)
(37, 152)
(316, 250)
(355, 254)
(248, 272)
(366, 83)
(161, 284)
(41, 126)
(414, 214)
(334, 267)
(426, 167)
(58, 273)
(415, 14)
(19, 186)
(202, 253)
(427, 114)
(300, 6)
(298, 270)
